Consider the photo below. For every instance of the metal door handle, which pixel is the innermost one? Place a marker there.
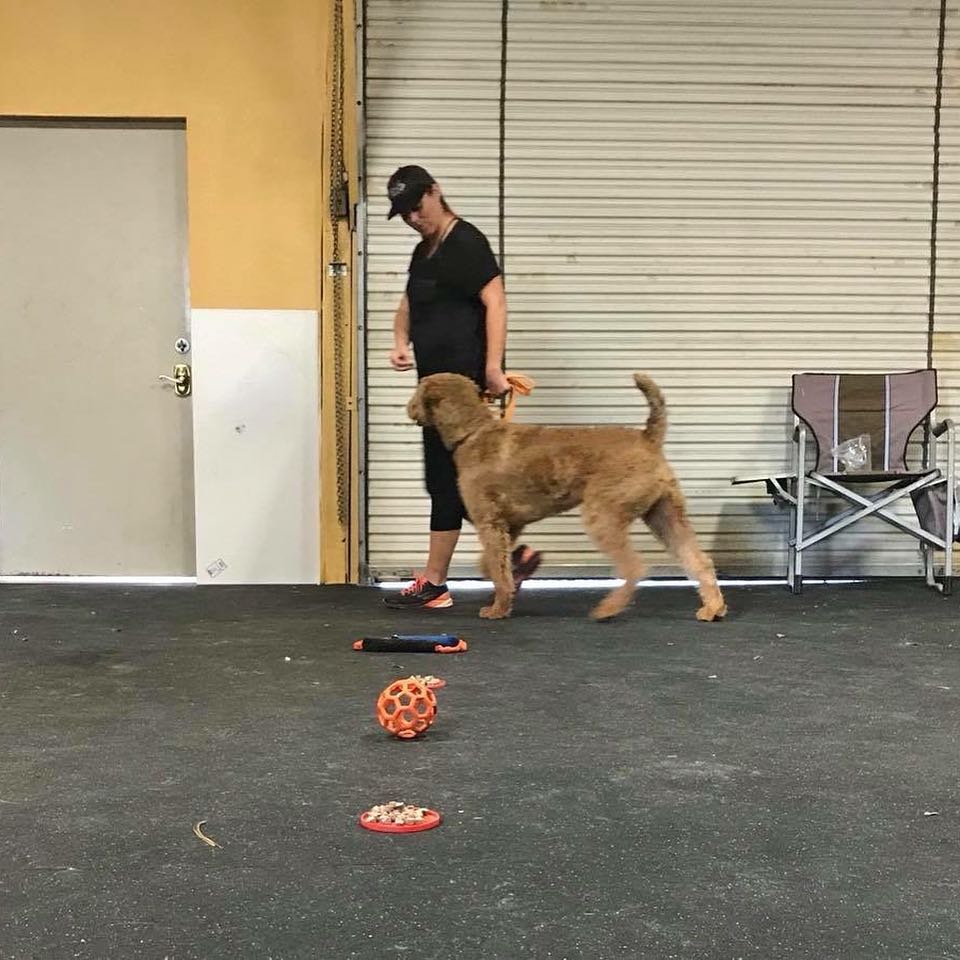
(181, 381)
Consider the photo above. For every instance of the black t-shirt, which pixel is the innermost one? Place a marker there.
(447, 316)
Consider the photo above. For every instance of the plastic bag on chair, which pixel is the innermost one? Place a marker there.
(854, 454)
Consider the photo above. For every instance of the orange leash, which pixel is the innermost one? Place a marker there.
(520, 384)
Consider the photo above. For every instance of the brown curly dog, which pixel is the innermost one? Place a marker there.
(512, 474)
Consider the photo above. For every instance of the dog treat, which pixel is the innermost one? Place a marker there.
(395, 811)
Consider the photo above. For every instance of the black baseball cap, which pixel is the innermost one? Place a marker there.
(406, 188)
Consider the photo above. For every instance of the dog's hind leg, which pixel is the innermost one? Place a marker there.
(667, 518)
(609, 528)
(495, 540)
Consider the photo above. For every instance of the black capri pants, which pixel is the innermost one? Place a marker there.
(447, 511)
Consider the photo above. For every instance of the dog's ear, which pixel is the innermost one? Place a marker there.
(449, 410)
(423, 403)
(429, 398)
(446, 403)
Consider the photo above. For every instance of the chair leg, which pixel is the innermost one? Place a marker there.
(797, 585)
(951, 506)
(948, 553)
(791, 550)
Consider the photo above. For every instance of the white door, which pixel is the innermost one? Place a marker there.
(719, 194)
(96, 458)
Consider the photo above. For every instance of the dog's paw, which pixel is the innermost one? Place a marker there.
(493, 612)
(711, 613)
(607, 609)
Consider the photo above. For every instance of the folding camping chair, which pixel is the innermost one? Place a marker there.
(860, 425)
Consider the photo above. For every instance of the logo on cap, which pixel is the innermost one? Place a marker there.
(395, 189)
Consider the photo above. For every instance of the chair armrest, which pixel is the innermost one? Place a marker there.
(946, 426)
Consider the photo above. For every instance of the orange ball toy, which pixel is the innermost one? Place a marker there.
(406, 708)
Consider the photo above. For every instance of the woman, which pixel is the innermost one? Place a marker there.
(454, 314)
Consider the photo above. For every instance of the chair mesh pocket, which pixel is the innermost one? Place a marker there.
(931, 507)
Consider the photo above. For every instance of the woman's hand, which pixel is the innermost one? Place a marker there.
(401, 358)
(497, 384)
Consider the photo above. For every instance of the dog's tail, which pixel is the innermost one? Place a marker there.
(657, 421)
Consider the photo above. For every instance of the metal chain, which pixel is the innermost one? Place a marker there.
(337, 277)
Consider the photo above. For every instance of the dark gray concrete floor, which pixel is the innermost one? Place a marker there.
(652, 788)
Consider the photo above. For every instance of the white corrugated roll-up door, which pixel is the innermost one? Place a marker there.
(946, 339)
(719, 194)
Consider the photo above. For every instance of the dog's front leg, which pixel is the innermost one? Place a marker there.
(496, 561)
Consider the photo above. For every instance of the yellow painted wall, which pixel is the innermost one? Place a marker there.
(248, 77)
